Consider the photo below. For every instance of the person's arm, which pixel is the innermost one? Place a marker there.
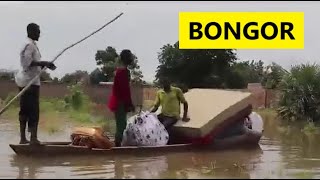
(47, 64)
(130, 103)
(185, 112)
(156, 104)
(185, 105)
(28, 59)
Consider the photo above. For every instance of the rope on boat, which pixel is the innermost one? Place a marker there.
(64, 50)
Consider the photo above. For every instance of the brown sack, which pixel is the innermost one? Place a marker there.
(90, 137)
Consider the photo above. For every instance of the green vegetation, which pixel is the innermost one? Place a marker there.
(272, 119)
(215, 67)
(267, 114)
(300, 88)
(107, 61)
(76, 108)
(77, 100)
(299, 104)
(6, 74)
(282, 173)
(75, 77)
(220, 68)
(300, 100)
(303, 175)
(310, 127)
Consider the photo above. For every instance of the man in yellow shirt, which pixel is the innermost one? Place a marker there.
(169, 98)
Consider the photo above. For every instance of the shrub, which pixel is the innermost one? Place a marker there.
(300, 98)
(77, 99)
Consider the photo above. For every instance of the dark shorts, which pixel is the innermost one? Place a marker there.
(168, 122)
(29, 104)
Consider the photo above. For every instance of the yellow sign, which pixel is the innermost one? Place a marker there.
(241, 30)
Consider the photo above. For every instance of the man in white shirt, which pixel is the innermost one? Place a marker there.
(31, 64)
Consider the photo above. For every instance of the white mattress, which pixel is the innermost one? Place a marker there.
(209, 107)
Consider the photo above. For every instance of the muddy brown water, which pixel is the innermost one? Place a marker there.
(290, 154)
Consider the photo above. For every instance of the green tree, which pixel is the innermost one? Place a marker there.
(195, 68)
(245, 72)
(74, 77)
(255, 72)
(6, 75)
(300, 89)
(107, 61)
(97, 76)
(273, 75)
(251, 71)
(56, 80)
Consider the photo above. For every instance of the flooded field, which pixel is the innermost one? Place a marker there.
(281, 154)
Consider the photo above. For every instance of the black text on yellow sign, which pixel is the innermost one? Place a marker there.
(241, 30)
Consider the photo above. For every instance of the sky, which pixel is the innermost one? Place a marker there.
(144, 28)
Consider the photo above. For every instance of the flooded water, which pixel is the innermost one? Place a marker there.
(280, 155)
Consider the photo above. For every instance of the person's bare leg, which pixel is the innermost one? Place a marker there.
(23, 123)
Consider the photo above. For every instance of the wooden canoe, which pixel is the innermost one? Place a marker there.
(64, 148)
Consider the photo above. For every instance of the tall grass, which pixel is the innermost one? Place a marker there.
(77, 99)
(300, 99)
(271, 119)
(76, 108)
(79, 108)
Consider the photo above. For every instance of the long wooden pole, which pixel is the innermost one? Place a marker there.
(64, 50)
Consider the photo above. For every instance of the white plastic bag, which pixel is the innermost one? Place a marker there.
(21, 78)
(256, 121)
(145, 130)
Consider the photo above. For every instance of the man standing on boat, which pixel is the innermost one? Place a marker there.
(31, 64)
(169, 98)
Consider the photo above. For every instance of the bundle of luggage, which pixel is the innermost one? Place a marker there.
(91, 138)
(145, 129)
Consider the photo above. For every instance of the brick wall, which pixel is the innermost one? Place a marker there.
(149, 93)
(99, 93)
(261, 97)
(258, 95)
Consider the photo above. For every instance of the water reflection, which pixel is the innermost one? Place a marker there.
(176, 165)
(282, 154)
(298, 150)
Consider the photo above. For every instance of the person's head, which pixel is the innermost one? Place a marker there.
(165, 84)
(126, 57)
(33, 31)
